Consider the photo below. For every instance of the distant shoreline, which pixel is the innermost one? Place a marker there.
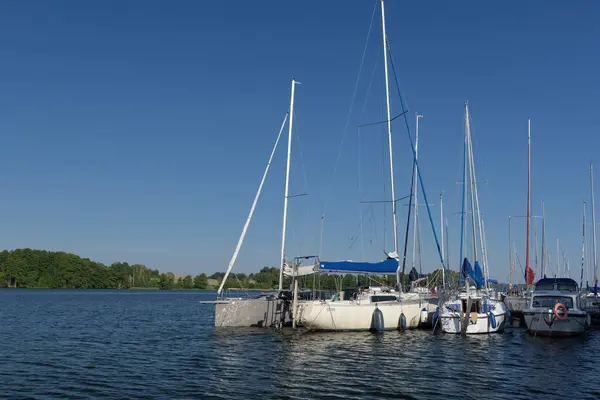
(140, 288)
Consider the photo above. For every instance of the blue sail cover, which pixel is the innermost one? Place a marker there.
(475, 274)
(478, 278)
(389, 266)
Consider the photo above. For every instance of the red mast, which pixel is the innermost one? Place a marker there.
(529, 274)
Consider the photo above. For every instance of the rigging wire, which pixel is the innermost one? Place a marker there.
(383, 170)
(304, 247)
(358, 189)
(351, 107)
(416, 161)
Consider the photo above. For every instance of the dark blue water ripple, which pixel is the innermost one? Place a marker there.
(162, 345)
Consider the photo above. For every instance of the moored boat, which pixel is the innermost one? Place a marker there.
(481, 313)
(373, 308)
(556, 309)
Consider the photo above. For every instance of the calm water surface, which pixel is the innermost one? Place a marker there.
(153, 345)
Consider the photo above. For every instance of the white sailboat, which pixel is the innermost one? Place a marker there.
(373, 308)
(266, 310)
(476, 310)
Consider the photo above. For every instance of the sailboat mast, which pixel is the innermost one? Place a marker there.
(442, 228)
(583, 258)
(484, 256)
(463, 221)
(528, 198)
(287, 186)
(472, 182)
(389, 125)
(557, 257)
(251, 213)
(544, 241)
(510, 257)
(479, 217)
(447, 254)
(415, 191)
(594, 228)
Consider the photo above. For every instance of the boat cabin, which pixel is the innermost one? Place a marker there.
(373, 294)
(475, 305)
(561, 284)
(550, 291)
(549, 301)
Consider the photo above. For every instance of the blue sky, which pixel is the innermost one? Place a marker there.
(138, 131)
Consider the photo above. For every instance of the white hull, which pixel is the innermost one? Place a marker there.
(352, 316)
(451, 323)
(452, 317)
(544, 323)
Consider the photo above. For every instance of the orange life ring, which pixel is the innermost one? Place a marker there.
(562, 307)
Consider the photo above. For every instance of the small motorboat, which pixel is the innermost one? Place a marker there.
(556, 309)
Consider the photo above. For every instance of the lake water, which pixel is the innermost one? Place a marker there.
(162, 345)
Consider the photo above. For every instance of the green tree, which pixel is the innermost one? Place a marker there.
(188, 282)
(349, 281)
(201, 281)
(166, 281)
(267, 278)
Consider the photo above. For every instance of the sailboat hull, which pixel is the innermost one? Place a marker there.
(479, 322)
(353, 316)
(451, 323)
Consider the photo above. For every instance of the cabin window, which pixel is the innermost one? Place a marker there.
(544, 286)
(566, 286)
(475, 306)
(550, 301)
(377, 299)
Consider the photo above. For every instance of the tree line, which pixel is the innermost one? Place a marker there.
(28, 268)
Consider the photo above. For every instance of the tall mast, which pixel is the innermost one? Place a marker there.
(557, 257)
(463, 221)
(543, 241)
(247, 223)
(594, 229)
(416, 189)
(447, 254)
(389, 124)
(287, 185)
(583, 258)
(536, 259)
(528, 198)
(471, 180)
(442, 228)
(510, 259)
(480, 223)
(484, 256)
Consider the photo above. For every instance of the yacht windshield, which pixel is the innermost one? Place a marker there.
(550, 301)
